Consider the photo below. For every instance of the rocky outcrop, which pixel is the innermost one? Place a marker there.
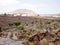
(7, 41)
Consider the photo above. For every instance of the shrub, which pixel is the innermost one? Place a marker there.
(17, 23)
(5, 28)
(0, 29)
(10, 24)
(21, 27)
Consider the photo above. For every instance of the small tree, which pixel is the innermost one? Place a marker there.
(5, 14)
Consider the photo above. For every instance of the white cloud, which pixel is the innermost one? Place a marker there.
(8, 2)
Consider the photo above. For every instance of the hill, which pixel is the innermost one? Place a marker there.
(23, 12)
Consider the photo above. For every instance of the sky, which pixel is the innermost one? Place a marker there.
(38, 6)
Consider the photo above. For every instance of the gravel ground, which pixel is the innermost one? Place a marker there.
(7, 41)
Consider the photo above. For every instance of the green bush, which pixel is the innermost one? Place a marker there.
(5, 28)
(17, 23)
(21, 27)
(10, 24)
(25, 37)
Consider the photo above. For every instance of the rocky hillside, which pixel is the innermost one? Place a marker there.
(23, 12)
(5, 20)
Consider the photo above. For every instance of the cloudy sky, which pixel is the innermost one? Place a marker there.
(39, 6)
